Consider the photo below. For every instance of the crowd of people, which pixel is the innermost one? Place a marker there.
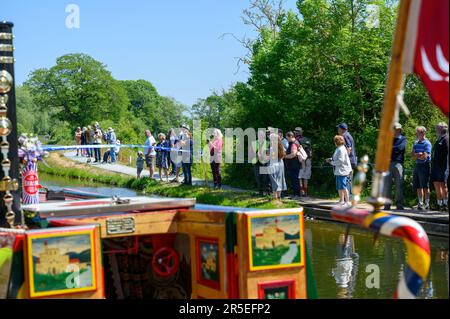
(278, 158)
(94, 135)
(293, 157)
(173, 155)
(431, 166)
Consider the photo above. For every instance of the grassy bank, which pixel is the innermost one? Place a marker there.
(61, 166)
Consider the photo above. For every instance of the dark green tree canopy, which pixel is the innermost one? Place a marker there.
(78, 89)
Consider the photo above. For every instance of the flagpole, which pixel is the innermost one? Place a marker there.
(393, 87)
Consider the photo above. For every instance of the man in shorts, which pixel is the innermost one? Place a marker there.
(150, 153)
(421, 177)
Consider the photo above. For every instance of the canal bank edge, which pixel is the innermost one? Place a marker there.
(434, 223)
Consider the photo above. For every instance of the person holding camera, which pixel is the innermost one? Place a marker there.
(259, 149)
(292, 162)
(276, 166)
(97, 140)
(215, 151)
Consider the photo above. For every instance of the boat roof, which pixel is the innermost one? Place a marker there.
(107, 205)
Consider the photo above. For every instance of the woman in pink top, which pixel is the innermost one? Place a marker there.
(215, 150)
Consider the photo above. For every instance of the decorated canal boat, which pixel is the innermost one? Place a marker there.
(79, 245)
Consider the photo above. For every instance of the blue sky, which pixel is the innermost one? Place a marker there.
(172, 43)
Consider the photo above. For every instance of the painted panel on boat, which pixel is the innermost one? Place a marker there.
(61, 263)
(275, 241)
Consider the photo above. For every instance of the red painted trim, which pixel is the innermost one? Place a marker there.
(277, 284)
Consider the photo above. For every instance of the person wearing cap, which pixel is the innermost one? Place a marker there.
(97, 140)
(439, 162)
(112, 139)
(351, 149)
(396, 169)
(421, 152)
(149, 152)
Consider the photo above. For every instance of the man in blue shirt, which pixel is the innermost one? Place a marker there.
(351, 149)
(396, 168)
(422, 154)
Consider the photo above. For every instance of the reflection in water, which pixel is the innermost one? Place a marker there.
(348, 280)
(346, 270)
(322, 237)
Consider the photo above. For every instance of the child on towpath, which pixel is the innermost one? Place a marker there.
(140, 163)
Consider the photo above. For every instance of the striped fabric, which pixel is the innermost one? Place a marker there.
(414, 238)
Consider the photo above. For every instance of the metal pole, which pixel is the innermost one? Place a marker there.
(9, 172)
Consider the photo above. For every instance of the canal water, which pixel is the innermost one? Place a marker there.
(340, 272)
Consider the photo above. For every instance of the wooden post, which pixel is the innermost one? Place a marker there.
(393, 87)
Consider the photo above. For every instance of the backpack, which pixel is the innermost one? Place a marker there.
(306, 144)
(302, 156)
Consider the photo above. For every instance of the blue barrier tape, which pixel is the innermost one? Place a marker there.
(52, 148)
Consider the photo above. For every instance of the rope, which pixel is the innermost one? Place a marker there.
(414, 238)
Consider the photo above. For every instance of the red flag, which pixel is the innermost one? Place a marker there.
(428, 33)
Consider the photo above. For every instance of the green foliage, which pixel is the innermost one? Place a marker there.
(153, 111)
(31, 119)
(321, 66)
(204, 195)
(79, 91)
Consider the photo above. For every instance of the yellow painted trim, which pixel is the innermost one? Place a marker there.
(372, 217)
(301, 240)
(65, 233)
(418, 259)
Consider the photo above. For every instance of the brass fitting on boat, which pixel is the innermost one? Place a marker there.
(378, 198)
(360, 179)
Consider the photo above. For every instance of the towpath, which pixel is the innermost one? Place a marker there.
(435, 223)
(131, 171)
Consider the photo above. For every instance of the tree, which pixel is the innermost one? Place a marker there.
(79, 90)
(156, 112)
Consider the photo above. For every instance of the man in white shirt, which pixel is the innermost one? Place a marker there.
(150, 152)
